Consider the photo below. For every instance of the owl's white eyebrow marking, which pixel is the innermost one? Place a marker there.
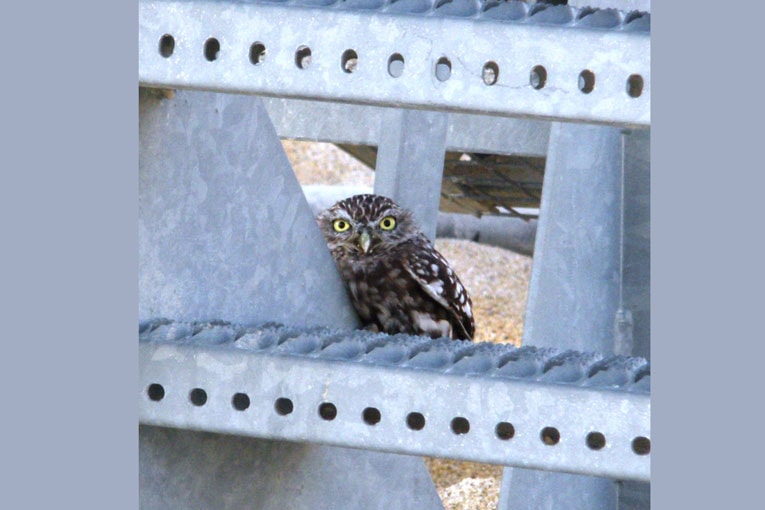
(341, 214)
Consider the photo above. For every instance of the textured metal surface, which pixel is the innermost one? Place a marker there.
(636, 258)
(192, 470)
(634, 495)
(463, 55)
(410, 163)
(524, 489)
(625, 5)
(486, 384)
(354, 124)
(224, 229)
(633, 323)
(577, 293)
(574, 288)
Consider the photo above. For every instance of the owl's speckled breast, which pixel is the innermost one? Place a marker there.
(387, 299)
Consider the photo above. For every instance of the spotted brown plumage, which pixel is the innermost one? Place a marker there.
(397, 281)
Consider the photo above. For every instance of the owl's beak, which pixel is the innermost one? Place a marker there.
(364, 240)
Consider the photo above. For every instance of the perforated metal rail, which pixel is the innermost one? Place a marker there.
(471, 56)
(540, 408)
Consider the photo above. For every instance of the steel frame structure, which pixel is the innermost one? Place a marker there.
(496, 58)
(502, 399)
(211, 251)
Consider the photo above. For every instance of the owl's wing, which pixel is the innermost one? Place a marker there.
(436, 277)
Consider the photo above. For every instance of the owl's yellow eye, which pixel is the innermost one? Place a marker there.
(388, 223)
(340, 225)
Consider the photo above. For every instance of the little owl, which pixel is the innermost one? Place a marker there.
(397, 281)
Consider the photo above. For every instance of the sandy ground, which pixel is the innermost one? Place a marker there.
(497, 280)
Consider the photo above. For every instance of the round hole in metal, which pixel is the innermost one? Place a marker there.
(550, 436)
(328, 411)
(257, 53)
(504, 430)
(349, 61)
(166, 45)
(371, 416)
(641, 445)
(460, 425)
(415, 421)
(635, 85)
(538, 77)
(283, 406)
(212, 49)
(443, 69)
(155, 392)
(396, 65)
(586, 81)
(240, 401)
(596, 441)
(303, 57)
(198, 397)
(490, 73)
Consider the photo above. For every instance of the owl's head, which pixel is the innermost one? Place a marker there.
(366, 225)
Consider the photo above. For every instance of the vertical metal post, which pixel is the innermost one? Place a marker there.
(574, 289)
(636, 275)
(575, 284)
(410, 162)
(226, 233)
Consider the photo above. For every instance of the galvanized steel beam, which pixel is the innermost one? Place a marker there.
(576, 295)
(193, 470)
(410, 163)
(354, 124)
(536, 408)
(578, 244)
(497, 58)
(626, 5)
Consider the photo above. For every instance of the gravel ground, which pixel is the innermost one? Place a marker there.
(497, 280)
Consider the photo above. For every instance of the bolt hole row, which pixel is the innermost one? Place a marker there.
(349, 61)
(415, 421)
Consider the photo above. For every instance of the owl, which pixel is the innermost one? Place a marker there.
(397, 281)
